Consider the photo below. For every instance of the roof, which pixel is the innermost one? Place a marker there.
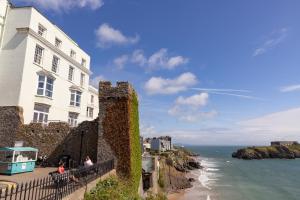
(18, 149)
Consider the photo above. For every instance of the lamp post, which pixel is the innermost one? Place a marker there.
(81, 141)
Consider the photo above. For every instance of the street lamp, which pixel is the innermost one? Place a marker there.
(81, 141)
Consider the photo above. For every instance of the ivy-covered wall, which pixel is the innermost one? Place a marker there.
(119, 126)
(135, 158)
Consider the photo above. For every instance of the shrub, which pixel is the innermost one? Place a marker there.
(112, 189)
(161, 179)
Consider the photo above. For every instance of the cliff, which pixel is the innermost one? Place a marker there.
(280, 151)
(174, 166)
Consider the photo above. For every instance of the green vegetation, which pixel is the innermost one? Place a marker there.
(136, 158)
(159, 196)
(161, 179)
(117, 189)
(112, 188)
(279, 151)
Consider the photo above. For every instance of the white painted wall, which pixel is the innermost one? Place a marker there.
(12, 57)
(18, 72)
(3, 9)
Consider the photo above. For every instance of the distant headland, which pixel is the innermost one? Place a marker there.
(278, 149)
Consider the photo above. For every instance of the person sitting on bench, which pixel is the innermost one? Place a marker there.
(61, 170)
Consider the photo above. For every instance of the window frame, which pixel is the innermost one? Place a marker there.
(38, 54)
(45, 86)
(41, 114)
(73, 119)
(83, 62)
(71, 73)
(73, 54)
(57, 42)
(75, 99)
(82, 79)
(42, 30)
(57, 64)
(90, 112)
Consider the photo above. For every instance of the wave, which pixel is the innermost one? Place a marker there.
(208, 175)
(212, 169)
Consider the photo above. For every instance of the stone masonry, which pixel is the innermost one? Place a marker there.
(114, 122)
(105, 138)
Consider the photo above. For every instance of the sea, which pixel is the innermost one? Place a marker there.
(227, 178)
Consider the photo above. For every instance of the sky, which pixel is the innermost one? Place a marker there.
(207, 72)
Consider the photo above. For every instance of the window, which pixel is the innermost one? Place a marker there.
(73, 54)
(55, 62)
(57, 42)
(40, 114)
(71, 73)
(92, 99)
(90, 112)
(42, 30)
(82, 79)
(38, 55)
(75, 98)
(45, 86)
(72, 120)
(83, 62)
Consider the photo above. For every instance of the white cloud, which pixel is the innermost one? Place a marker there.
(158, 60)
(95, 81)
(161, 59)
(159, 85)
(65, 5)
(195, 100)
(262, 130)
(281, 123)
(189, 109)
(108, 36)
(290, 88)
(138, 58)
(120, 61)
(148, 130)
(275, 38)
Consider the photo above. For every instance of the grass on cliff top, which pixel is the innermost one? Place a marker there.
(114, 188)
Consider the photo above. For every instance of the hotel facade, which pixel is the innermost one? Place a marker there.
(42, 69)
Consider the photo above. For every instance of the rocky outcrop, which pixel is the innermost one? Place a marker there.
(280, 151)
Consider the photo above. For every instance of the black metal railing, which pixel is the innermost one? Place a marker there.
(56, 186)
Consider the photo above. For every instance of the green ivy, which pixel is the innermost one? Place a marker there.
(136, 154)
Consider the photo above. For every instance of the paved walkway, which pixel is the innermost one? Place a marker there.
(25, 177)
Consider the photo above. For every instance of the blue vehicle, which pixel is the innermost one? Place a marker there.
(14, 160)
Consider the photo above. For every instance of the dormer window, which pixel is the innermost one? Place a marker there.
(42, 30)
(83, 62)
(57, 42)
(73, 54)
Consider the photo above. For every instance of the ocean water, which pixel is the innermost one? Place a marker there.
(226, 178)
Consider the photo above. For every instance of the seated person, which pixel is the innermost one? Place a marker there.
(61, 170)
(88, 162)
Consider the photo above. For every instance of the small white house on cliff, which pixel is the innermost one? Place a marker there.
(42, 69)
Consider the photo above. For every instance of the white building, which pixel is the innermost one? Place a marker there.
(42, 69)
(161, 144)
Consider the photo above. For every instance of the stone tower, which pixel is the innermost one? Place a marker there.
(118, 125)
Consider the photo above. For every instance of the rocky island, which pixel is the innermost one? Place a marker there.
(278, 149)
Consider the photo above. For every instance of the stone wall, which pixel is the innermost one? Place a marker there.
(114, 134)
(11, 120)
(54, 140)
(114, 122)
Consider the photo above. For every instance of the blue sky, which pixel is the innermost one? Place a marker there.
(207, 71)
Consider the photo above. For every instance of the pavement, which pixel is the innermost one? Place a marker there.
(26, 177)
